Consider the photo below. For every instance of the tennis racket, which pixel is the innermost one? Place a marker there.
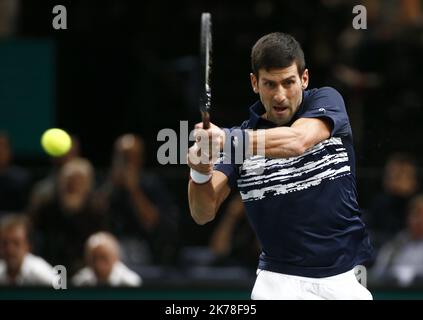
(205, 67)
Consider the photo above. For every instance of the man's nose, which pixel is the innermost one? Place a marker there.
(280, 95)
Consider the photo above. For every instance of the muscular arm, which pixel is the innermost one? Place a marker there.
(285, 142)
(281, 142)
(205, 199)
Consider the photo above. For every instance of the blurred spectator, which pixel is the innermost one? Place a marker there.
(140, 207)
(9, 11)
(14, 181)
(233, 241)
(103, 264)
(65, 222)
(387, 213)
(19, 266)
(43, 191)
(402, 258)
(361, 72)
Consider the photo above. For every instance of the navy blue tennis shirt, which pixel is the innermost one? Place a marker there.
(304, 209)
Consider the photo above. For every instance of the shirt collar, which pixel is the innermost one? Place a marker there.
(256, 111)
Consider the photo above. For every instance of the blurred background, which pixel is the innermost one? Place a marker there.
(124, 70)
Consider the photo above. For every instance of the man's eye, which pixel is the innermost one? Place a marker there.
(268, 84)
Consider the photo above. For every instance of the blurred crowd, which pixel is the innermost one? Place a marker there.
(65, 215)
(104, 225)
(101, 226)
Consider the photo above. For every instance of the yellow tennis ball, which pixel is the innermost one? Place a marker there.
(56, 142)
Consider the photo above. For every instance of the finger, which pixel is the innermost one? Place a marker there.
(204, 168)
(202, 138)
(193, 155)
(198, 133)
(198, 155)
(215, 150)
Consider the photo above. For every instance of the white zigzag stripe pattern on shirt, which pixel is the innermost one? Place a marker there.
(261, 177)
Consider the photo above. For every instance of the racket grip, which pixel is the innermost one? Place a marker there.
(206, 119)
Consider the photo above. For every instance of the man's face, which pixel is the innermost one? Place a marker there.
(280, 91)
(14, 246)
(102, 260)
(400, 179)
(74, 189)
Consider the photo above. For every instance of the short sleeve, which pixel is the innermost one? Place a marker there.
(227, 163)
(328, 103)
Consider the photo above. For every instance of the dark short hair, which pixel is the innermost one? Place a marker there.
(277, 50)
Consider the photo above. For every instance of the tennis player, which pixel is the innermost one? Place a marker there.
(303, 203)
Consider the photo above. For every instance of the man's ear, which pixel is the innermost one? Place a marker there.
(304, 79)
(254, 82)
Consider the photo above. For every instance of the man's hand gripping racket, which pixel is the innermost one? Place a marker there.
(209, 138)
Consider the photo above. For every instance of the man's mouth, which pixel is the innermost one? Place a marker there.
(280, 109)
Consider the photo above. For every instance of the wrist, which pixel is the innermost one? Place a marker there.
(198, 177)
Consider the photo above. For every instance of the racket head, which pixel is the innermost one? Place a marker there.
(205, 67)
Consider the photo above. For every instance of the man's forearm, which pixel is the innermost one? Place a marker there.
(202, 202)
(205, 199)
(282, 142)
